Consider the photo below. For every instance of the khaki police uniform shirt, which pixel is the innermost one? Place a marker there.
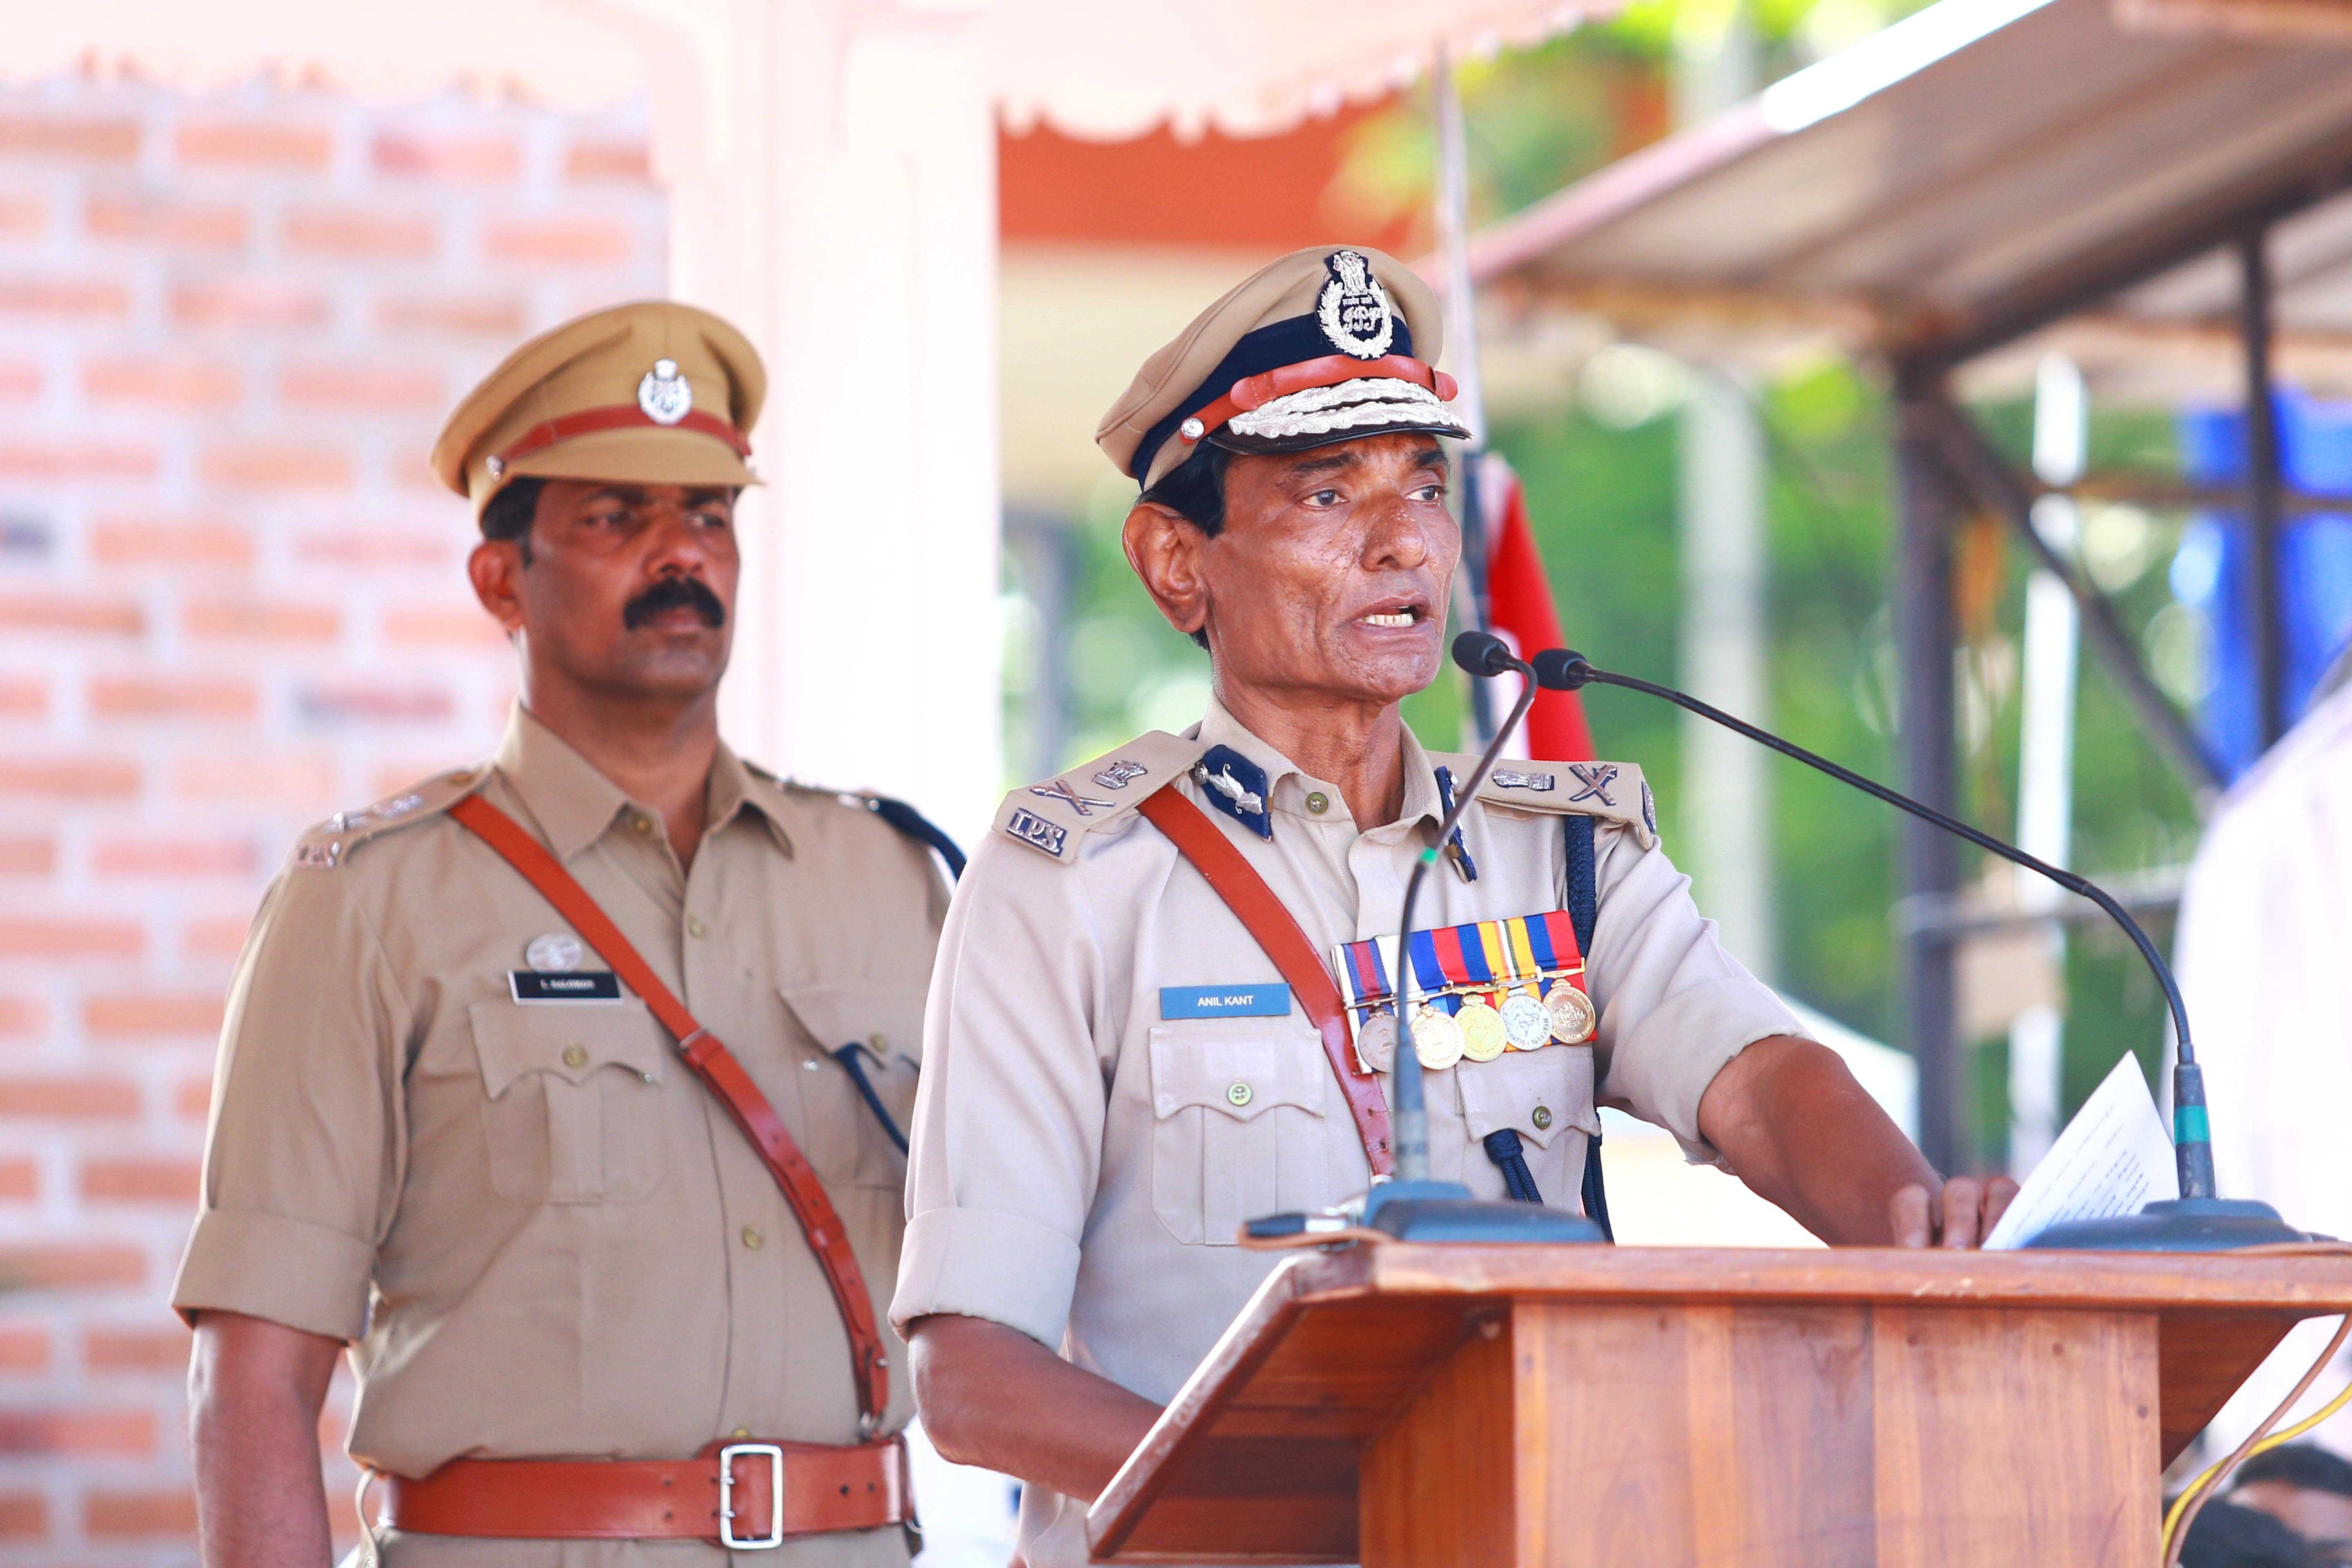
(544, 1233)
(1081, 1165)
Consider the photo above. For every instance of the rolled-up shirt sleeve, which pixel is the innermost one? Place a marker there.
(302, 1159)
(1007, 1139)
(1675, 1004)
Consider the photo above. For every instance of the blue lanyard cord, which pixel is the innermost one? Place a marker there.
(1504, 1148)
(847, 1057)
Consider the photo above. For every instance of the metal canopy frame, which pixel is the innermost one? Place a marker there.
(1943, 455)
(1730, 231)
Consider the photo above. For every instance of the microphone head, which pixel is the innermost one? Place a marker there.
(1482, 653)
(1561, 670)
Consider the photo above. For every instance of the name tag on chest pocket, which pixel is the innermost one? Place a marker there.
(572, 1100)
(1238, 1126)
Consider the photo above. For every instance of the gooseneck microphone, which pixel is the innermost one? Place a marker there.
(1409, 1207)
(1479, 654)
(2197, 1221)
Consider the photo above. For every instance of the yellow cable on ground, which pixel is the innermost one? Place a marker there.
(2198, 1492)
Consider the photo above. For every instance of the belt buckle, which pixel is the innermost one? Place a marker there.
(774, 1455)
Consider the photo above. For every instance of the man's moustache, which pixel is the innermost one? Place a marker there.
(675, 594)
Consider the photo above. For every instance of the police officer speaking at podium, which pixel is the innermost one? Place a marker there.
(561, 1088)
(1118, 1073)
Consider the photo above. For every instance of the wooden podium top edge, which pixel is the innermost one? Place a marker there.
(2280, 1283)
(2304, 1285)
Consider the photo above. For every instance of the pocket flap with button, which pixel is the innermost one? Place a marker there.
(1229, 1067)
(838, 1129)
(885, 1016)
(570, 1040)
(1538, 1094)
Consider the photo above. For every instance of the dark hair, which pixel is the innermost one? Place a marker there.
(1196, 491)
(2306, 1466)
(508, 513)
(2227, 1535)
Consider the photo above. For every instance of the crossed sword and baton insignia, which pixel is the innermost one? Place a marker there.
(1060, 790)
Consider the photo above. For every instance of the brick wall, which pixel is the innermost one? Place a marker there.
(231, 602)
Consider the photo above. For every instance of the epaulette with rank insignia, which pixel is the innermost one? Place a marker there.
(326, 845)
(1614, 792)
(900, 817)
(1052, 816)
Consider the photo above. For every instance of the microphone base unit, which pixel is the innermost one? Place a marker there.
(1444, 1211)
(1431, 1210)
(2174, 1224)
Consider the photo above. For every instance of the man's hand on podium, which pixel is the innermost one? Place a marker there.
(1791, 1122)
(1963, 1215)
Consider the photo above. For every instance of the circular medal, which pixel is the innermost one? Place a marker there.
(1573, 1017)
(1436, 1038)
(1525, 1020)
(1483, 1035)
(558, 951)
(1376, 1041)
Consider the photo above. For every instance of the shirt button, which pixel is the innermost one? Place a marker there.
(642, 823)
(741, 1433)
(574, 1056)
(1542, 1118)
(695, 928)
(1239, 1094)
(811, 1065)
(1318, 803)
(753, 1238)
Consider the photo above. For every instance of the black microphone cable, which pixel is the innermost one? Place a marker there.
(1563, 669)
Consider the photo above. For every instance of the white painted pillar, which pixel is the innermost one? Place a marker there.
(2045, 769)
(1726, 838)
(833, 170)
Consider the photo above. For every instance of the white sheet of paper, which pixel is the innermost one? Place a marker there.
(2112, 1158)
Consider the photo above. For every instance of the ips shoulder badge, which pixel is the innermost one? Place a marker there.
(1055, 816)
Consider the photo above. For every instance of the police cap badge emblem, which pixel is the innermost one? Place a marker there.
(1354, 309)
(664, 395)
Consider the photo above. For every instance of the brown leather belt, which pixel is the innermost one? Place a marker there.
(727, 1494)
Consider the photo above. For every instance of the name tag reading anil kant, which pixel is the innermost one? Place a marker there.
(1224, 1001)
(563, 985)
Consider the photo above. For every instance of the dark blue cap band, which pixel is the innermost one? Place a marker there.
(1270, 347)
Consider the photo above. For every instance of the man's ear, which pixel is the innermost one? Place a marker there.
(495, 568)
(1164, 547)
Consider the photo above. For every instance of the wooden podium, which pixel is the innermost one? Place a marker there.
(1638, 1407)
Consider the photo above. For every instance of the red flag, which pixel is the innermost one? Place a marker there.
(1520, 605)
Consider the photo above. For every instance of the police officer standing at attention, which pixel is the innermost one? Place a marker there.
(1122, 1070)
(562, 1089)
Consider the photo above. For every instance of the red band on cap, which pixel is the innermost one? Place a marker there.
(619, 416)
(1257, 391)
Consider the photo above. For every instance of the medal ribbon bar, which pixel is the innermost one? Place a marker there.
(1487, 958)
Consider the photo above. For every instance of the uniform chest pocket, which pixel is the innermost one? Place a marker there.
(1546, 1097)
(883, 1020)
(1238, 1125)
(572, 1099)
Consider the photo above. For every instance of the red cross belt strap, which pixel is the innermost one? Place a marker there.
(744, 1494)
(1202, 843)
